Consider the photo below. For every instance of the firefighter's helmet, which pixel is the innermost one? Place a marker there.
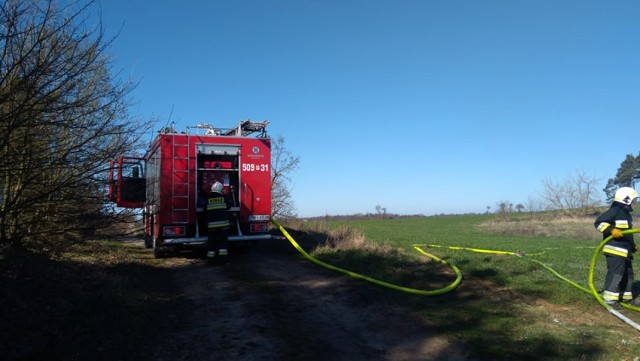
(217, 187)
(626, 195)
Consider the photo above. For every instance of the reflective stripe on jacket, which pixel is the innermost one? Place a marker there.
(616, 251)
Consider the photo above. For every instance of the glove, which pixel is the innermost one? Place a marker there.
(616, 233)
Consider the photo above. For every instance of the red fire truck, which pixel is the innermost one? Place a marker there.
(172, 181)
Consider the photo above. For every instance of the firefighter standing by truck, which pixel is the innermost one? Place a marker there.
(619, 251)
(217, 222)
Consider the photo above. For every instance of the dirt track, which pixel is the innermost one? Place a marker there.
(272, 304)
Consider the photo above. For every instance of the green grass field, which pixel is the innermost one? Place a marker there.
(507, 307)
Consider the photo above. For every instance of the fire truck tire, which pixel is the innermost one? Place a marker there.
(158, 250)
(160, 253)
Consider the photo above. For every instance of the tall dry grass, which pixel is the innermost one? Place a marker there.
(343, 237)
(564, 227)
(333, 237)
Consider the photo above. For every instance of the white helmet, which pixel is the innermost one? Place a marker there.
(626, 195)
(217, 187)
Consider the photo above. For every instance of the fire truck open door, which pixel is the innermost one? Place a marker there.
(218, 162)
(127, 184)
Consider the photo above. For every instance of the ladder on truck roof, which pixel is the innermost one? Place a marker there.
(180, 186)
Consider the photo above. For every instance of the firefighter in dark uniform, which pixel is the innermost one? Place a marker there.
(217, 222)
(619, 250)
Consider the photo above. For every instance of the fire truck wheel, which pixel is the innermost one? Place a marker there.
(160, 253)
(148, 242)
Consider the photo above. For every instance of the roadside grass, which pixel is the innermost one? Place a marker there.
(507, 307)
(97, 300)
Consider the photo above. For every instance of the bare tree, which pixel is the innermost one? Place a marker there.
(62, 117)
(575, 196)
(283, 163)
(535, 205)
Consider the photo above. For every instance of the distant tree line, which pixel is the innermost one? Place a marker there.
(63, 116)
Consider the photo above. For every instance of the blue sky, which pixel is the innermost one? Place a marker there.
(419, 106)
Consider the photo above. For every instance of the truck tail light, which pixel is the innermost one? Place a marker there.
(173, 231)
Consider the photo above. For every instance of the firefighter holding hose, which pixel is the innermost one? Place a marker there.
(619, 251)
(217, 222)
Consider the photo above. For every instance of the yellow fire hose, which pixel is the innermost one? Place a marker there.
(592, 290)
(519, 254)
(594, 259)
(440, 291)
